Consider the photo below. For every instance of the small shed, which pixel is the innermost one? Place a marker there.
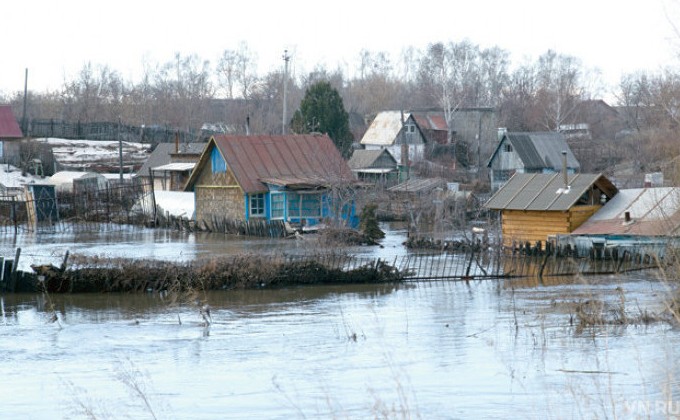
(10, 135)
(167, 153)
(172, 176)
(534, 207)
(375, 166)
(414, 197)
(78, 182)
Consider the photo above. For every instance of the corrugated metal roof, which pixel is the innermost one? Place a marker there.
(653, 212)
(366, 159)
(430, 120)
(384, 129)
(539, 150)
(306, 158)
(9, 127)
(418, 185)
(544, 192)
(542, 150)
(177, 167)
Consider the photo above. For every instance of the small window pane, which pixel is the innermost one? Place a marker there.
(257, 205)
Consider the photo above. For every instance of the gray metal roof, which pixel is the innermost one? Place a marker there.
(539, 150)
(542, 150)
(545, 192)
(652, 212)
(419, 185)
(368, 159)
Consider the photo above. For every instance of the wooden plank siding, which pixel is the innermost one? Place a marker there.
(218, 197)
(533, 226)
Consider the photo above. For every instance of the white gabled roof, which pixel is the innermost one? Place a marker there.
(384, 129)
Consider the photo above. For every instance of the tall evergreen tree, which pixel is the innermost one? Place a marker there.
(322, 110)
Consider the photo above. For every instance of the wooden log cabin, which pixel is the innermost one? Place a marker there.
(534, 207)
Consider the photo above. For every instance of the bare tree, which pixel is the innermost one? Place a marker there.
(182, 88)
(246, 69)
(226, 72)
(560, 88)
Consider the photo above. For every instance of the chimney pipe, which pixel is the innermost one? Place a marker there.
(176, 141)
(247, 125)
(565, 176)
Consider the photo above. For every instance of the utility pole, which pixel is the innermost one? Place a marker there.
(286, 58)
(120, 153)
(24, 125)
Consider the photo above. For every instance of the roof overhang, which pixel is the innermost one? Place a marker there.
(375, 170)
(175, 167)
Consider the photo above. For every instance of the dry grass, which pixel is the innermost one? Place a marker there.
(247, 271)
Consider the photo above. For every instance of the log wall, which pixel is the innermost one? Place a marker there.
(533, 226)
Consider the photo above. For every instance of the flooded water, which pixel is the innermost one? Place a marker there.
(483, 349)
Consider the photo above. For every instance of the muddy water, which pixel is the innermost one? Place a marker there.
(484, 349)
(487, 349)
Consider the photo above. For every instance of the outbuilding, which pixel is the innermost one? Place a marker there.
(534, 207)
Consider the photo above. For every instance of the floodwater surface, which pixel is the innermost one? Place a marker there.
(441, 349)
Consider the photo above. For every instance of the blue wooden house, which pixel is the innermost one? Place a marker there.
(300, 179)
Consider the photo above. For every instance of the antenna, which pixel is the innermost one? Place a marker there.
(286, 58)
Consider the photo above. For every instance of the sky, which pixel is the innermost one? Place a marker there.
(53, 39)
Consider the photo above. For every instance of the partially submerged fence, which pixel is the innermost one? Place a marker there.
(486, 264)
(270, 270)
(117, 206)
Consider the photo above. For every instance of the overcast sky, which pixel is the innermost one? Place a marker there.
(55, 38)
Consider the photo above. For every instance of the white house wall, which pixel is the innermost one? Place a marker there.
(415, 152)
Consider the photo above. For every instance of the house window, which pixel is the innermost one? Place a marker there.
(305, 205)
(257, 205)
(278, 205)
(411, 128)
(507, 147)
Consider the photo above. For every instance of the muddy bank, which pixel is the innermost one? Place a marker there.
(92, 274)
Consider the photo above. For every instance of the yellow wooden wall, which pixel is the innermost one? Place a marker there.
(218, 197)
(522, 226)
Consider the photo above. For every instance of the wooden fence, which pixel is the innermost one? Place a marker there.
(110, 131)
(410, 267)
(114, 207)
(489, 264)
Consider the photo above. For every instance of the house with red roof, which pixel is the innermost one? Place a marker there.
(10, 135)
(299, 179)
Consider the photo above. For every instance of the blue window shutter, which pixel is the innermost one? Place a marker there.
(218, 164)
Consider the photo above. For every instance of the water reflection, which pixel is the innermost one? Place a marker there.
(431, 350)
